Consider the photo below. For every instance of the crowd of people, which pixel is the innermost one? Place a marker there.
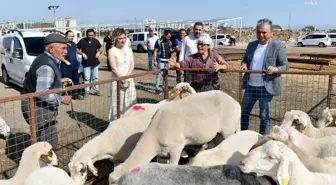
(192, 49)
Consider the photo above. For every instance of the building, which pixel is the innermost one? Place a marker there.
(9, 25)
(61, 22)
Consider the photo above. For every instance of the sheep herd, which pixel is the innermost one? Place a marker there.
(296, 152)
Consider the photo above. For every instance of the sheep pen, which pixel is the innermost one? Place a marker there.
(300, 91)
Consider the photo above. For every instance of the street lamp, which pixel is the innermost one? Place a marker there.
(54, 7)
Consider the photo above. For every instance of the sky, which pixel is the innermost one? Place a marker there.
(112, 11)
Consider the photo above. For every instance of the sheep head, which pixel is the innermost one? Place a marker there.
(296, 119)
(181, 90)
(325, 119)
(44, 153)
(78, 170)
(271, 159)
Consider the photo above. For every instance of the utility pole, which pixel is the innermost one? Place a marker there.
(54, 7)
(289, 22)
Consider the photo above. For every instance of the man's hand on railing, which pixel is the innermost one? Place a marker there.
(173, 63)
(271, 70)
(218, 67)
(66, 81)
(243, 67)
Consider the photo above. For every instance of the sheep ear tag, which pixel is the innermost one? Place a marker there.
(46, 158)
(95, 172)
(303, 132)
(285, 182)
(172, 95)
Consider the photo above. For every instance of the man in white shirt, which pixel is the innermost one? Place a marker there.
(150, 48)
(270, 56)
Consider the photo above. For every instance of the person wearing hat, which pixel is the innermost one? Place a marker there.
(44, 74)
(204, 58)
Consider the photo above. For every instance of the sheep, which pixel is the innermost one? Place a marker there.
(314, 164)
(301, 121)
(180, 91)
(316, 147)
(276, 160)
(34, 157)
(168, 174)
(49, 175)
(117, 141)
(327, 118)
(194, 120)
(228, 151)
(4, 128)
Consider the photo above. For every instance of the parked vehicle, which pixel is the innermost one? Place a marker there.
(221, 39)
(139, 41)
(314, 39)
(332, 37)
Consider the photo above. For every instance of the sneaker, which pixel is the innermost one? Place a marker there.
(158, 92)
(86, 95)
(97, 93)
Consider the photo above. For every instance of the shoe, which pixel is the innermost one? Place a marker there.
(97, 93)
(158, 91)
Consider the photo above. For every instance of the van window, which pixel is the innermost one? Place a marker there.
(332, 35)
(18, 46)
(319, 36)
(141, 37)
(34, 45)
(7, 42)
(135, 37)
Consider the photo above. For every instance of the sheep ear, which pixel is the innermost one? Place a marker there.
(283, 172)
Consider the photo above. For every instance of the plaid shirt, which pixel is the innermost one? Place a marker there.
(45, 78)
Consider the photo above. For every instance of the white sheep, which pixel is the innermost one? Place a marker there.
(327, 118)
(301, 121)
(49, 175)
(180, 91)
(276, 160)
(314, 164)
(119, 139)
(316, 147)
(230, 151)
(34, 157)
(194, 120)
(4, 128)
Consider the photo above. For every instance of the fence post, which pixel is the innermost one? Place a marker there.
(32, 121)
(118, 98)
(330, 87)
(240, 87)
(165, 76)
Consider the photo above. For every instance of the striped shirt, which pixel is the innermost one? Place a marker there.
(45, 78)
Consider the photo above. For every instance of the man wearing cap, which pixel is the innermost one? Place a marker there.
(204, 58)
(44, 74)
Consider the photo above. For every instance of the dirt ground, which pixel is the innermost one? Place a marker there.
(299, 92)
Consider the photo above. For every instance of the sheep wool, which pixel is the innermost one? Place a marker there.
(49, 176)
(194, 120)
(167, 174)
(230, 151)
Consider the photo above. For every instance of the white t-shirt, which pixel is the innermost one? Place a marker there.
(151, 42)
(256, 80)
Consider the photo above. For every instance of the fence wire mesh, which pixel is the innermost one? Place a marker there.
(310, 92)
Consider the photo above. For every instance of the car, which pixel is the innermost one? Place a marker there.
(332, 37)
(139, 41)
(221, 39)
(314, 39)
(19, 49)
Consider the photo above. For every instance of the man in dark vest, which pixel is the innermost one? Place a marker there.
(44, 74)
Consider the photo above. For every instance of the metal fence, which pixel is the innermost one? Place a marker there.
(307, 91)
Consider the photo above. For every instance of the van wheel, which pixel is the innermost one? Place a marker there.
(5, 76)
(321, 44)
(220, 44)
(299, 44)
(140, 49)
(333, 44)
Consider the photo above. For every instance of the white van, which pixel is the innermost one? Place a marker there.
(18, 51)
(314, 39)
(138, 41)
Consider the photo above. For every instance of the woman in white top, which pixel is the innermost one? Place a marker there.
(122, 64)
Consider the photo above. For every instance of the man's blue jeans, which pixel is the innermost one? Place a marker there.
(251, 96)
(159, 75)
(91, 75)
(150, 59)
